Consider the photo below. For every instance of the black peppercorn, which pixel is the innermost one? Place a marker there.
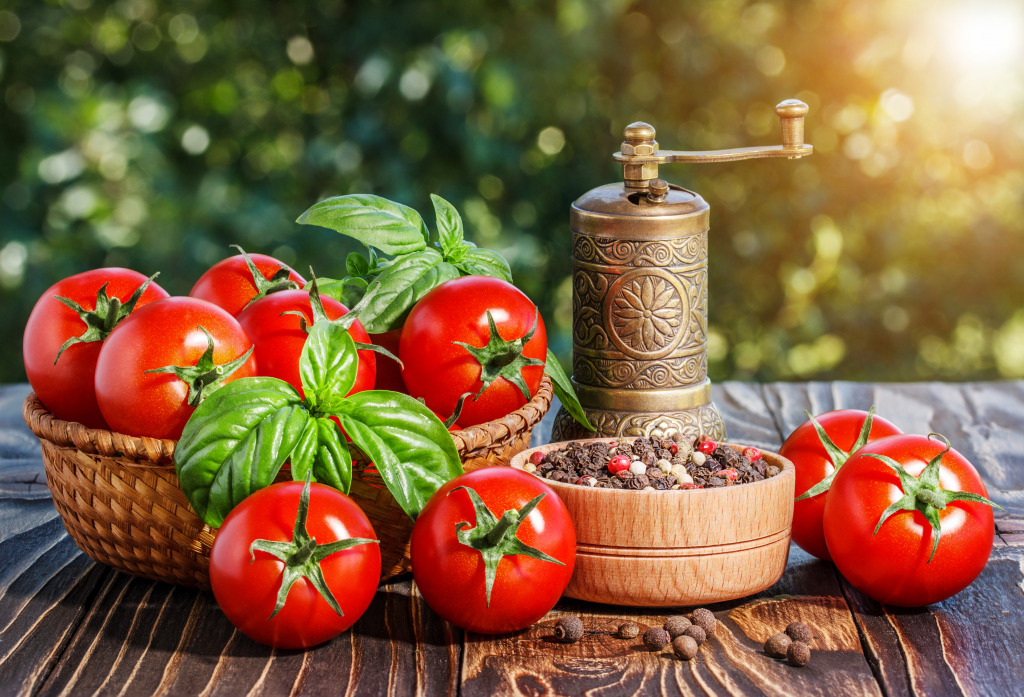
(628, 630)
(798, 654)
(798, 631)
(656, 638)
(676, 625)
(777, 645)
(685, 647)
(569, 629)
(697, 633)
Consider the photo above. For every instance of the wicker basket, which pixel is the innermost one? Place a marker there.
(120, 501)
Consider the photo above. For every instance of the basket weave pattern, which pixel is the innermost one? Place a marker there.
(119, 498)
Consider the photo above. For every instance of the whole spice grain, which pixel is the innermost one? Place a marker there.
(777, 645)
(696, 633)
(798, 654)
(676, 625)
(685, 647)
(798, 631)
(656, 638)
(569, 629)
(705, 619)
(628, 630)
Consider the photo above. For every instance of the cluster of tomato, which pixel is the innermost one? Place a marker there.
(905, 518)
(293, 566)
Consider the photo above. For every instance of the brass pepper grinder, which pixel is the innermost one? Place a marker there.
(640, 299)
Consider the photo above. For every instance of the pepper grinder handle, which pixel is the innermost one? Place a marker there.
(791, 114)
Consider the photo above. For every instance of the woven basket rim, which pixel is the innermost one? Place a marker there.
(108, 443)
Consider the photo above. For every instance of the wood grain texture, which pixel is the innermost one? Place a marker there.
(677, 547)
(69, 626)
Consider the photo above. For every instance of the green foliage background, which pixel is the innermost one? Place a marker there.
(153, 134)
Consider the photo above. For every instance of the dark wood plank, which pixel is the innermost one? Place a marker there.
(21, 464)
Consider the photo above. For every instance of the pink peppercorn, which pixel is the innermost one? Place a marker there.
(691, 485)
(707, 446)
(619, 463)
(729, 473)
(587, 480)
(537, 458)
(752, 454)
(673, 448)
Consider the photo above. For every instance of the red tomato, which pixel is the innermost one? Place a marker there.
(440, 371)
(230, 283)
(164, 333)
(279, 338)
(246, 589)
(892, 565)
(389, 373)
(451, 575)
(66, 387)
(804, 449)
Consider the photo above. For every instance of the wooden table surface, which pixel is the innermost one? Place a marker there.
(70, 626)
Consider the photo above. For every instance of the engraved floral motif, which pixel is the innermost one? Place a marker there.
(637, 374)
(645, 313)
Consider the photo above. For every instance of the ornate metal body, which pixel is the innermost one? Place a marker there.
(640, 312)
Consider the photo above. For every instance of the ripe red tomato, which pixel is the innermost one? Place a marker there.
(451, 575)
(168, 332)
(230, 284)
(892, 565)
(439, 370)
(279, 338)
(805, 450)
(246, 587)
(66, 387)
(389, 373)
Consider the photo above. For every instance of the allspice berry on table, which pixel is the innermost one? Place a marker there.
(777, 645)
(798, 631)
(798, 654)
(697, 633)
(628, 630)
(676, 625)
(569, 629)
(705, 619)
(656, 638)
(684, 647)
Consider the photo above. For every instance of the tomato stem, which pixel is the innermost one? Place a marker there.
(278, 281)
(501, 358)
(835, 453)
(205, 377)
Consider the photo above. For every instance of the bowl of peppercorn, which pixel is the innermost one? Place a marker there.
(664, 521)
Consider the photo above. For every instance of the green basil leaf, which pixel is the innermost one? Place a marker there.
(564, 390)
(485, 262)
(412, 449)
(374, 221)
(327, 366)
(304, 452)
(356, 265)
(348, 291)
(235, 443)
(402, 284)
(333, 462)
(449, 229)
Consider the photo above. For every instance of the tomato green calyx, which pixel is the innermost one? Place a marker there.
(925, 494)
(302, 556)
(280, 280)
(205, 377)
(835, 453)
(503, 359)
(495, 538)
(101, 321)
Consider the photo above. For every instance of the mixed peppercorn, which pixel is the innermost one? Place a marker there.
(651, 463)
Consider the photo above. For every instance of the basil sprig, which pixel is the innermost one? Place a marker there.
(418, 266)
(238, 438)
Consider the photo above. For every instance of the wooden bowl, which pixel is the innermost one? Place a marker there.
(677, 547)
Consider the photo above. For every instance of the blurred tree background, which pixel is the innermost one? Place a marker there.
(152, 134)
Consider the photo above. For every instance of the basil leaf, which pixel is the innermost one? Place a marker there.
(402, 284)
(374, 221)
(356, 265)
(564, 390)
(485, 262)
(236, 441)
(348, 291)
(333, 462)
(449, 229)
(411, 448)
(327, 366)
(301, 459)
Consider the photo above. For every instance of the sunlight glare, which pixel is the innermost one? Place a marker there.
(986, 35)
